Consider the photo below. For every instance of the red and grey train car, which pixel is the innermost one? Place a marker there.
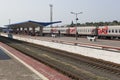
(109, 32)
(101, 31)
(71, 31)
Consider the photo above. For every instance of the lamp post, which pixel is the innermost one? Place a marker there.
(51, 13)
(76, 14)
(9, 25)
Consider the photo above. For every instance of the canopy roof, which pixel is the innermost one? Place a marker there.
(31, 24)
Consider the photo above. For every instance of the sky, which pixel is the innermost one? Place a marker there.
(17, 11)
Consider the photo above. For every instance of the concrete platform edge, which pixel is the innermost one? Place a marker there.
(32, 69)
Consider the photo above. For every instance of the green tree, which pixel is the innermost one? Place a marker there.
(115, 22)
(72, 24)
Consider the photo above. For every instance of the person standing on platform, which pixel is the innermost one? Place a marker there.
(59, 33)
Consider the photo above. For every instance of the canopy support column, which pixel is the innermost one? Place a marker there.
(28, 31)
(41, 30)
(33, 31)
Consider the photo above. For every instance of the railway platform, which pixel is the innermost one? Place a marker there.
(100, 49)
(108, 50)
(112, 43)
(11, 69)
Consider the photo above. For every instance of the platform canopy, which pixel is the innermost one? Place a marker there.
(31, 24)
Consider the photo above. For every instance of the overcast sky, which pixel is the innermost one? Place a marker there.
(39, 10)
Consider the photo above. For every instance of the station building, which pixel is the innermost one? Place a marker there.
(29, 27)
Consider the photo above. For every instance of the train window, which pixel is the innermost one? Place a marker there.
(119, 30)
(112, 30)
(109, 31)
(116, 31)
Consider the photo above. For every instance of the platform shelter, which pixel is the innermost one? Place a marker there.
(29, 27)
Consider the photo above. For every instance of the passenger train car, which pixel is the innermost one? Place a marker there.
(109, 32)
(87, 31)
(71, 31)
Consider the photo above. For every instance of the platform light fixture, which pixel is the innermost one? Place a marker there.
(76, 15)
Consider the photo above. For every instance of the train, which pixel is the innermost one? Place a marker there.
(106, 32)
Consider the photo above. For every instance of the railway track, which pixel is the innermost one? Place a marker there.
(75, 66)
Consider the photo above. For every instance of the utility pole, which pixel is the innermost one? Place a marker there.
(51, 13)
(9, 25)
(76, 15)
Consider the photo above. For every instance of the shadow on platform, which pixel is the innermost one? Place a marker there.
(3, 55)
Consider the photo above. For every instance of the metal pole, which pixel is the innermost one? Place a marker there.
(51, 13)
(9, 26)
(76, 28)
(76, 19)
(76, 33)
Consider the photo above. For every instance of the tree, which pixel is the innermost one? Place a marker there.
(89, 23)
(72, 24)
(115, 22)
